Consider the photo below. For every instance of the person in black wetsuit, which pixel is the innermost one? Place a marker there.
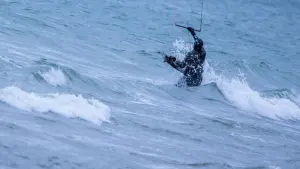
(192, 65)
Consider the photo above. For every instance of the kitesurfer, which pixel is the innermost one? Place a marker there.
(192, 65)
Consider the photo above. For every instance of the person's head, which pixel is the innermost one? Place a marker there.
(198, 44)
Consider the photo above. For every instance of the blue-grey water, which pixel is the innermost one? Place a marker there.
(82, 85)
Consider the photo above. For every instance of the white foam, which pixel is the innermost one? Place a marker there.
(181, 48)
(54, 77)
(65, 104)
(238, 91)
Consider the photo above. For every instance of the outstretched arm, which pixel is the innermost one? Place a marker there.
(176, 64)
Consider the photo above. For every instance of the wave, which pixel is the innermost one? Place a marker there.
(54, 77)
(68, 105)
(238, 92)
(59, 75)
(241, 95)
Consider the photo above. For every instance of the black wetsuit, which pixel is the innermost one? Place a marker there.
(191, 67)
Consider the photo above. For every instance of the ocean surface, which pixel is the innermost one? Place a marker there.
(82, 85)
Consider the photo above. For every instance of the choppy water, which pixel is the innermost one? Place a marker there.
(82, 85)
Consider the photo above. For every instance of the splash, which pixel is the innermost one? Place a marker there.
(65, 104)
(240, 94)
(54, 77)
(180, 48)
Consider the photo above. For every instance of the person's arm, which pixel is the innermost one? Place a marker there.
(192, 31)
(176, 64)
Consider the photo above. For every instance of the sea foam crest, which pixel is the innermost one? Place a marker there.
(54, 77)
(68, 105)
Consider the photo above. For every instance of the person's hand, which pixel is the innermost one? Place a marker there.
(169, 59)
(192, 30)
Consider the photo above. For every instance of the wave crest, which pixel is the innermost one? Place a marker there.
(68, 105)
